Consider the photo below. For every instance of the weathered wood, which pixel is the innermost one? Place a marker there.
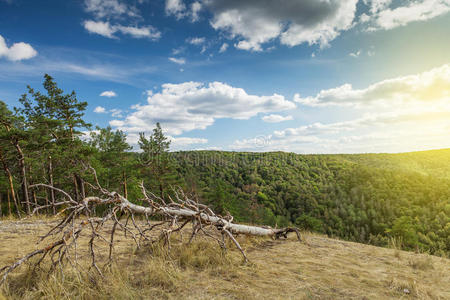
(174, 213)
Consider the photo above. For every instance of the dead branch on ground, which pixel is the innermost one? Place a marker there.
(175, 214)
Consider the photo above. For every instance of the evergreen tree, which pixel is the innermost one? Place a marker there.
(54, 120)
(114, 164)
(158, 166)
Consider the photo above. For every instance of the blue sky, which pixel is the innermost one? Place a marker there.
(306, 76)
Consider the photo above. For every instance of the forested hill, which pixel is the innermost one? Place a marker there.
(434, 162)
(370, 198)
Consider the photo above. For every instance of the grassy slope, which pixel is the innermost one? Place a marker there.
(317, 268)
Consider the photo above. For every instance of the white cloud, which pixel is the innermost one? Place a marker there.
(108, 94)
(177, 51)
(294, 22)
(384, 16)
(377, 5)
(107, 30)
(433, 85)
(116, 113)
(18, 51)
(109, 8)
(180, 61)
(355, 54)
(196, 40)
(185, 141)
(191, 105)
(100, 110)
(101, 28)
(196, 7)
(140, 32)
(399, 131)
(176, 8)
(223, 48)
(276, 118)
(176, 143)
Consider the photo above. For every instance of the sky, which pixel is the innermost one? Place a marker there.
(303, 76)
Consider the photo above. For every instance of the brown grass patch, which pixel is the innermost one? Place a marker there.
(317, 268)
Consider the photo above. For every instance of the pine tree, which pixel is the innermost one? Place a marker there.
(54, 120)
(156, 161)
(14, 133)
(114, 162)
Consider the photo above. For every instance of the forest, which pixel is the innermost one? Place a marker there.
(376, 199)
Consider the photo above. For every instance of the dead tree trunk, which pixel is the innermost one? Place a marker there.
(176, 214)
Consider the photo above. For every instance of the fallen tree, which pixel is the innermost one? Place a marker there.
(173, 213)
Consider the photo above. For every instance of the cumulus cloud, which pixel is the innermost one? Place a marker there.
(196, 7)
(294, 22)
(18, 51)
(179, 61)
(109, 8)
(196, 40)
(108, 30)
(176, 143)
(116, 113)
(399, 131)
(105, 10)
(179, 142)
(276, 118)
(355, 54)
(223, 48)
(178, 9)
(430, 86)
(386, 14)
(101, 28)
(108, 94)
(100, 110)
(192, 105)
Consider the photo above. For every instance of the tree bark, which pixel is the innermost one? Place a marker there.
(207, 219)
(125, 191)
(23, 173)
(11, 185)
(80, 184)
(9, 205)
(75, 187)
(50, 178)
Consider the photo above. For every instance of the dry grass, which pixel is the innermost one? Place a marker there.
(319, 268)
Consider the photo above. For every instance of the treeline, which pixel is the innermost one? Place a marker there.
(373, 198)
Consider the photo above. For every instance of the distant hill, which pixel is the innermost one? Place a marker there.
(434, 163)
(370, 198)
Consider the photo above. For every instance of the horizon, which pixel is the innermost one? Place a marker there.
(338, 77)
